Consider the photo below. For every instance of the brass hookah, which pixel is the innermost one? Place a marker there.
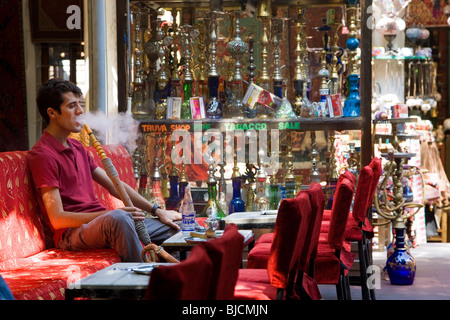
(156, 180)
(264, 15)
(141, 229)
(163, 80)
(202, 78)
(314, 174)
(289, 177)
(277, 78)
(236, 48)
(163, 168)
(300, 54)
(261, 201)
(335, 66)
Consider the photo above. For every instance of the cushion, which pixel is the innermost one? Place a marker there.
(226, 255)
(45, 276)
(259, 255)
(266, 237)
(187, 280)
(21, 230)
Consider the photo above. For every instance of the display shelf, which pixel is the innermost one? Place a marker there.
(392, 57)
(226, 125)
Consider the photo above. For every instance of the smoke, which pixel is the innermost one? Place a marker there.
(119, 128)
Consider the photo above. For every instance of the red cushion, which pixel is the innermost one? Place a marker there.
(249, 290)
(21, 230)
(254, 275)
(187, 280)
(266, 237)
(226, 255)
(45, 276)
(257, 257)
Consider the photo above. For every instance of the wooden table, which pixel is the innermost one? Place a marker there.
(177, 242)
(117, 281)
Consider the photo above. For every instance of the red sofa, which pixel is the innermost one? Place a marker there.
(29, 264)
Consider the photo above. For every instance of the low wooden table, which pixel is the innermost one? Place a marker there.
(177, 242)
(117, 281)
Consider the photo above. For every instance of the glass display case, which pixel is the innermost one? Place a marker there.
(264, 88)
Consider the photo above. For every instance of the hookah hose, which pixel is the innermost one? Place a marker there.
(141, 230)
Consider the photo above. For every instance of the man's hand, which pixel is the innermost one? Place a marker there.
(168, 217)
(136, 213)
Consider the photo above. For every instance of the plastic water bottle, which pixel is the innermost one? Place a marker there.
(187, 213)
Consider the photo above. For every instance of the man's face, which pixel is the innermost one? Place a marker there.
(71, 110)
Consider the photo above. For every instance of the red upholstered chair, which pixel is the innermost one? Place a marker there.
(277, 281)
(187, 280)
(359, 228)
(332, 264)
(226, 255)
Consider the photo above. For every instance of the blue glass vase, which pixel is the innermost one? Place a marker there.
(352, 105)
(174, 201)
(236, 203)
(400, 265)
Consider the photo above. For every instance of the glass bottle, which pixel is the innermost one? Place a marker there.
(186, 105)
(352, 105)
(174, 200)
(236, 203)
(214, 105)
(187, 213)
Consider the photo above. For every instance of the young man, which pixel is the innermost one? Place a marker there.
(63, 175)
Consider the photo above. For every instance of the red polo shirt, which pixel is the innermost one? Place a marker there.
(69, 170)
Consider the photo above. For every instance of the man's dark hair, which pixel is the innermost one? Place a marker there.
(50, 95)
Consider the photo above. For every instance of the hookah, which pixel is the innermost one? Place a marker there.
(163, 80)
(236, 48)
(277, 78)
(352, 105)
(214, 107)
(236, 203)
(400, 265)
(140, 109)
(141, 229)
(188, 81)
(299, 74)
(156, 182)
(212, 206)
(174, 200)
(262, 203)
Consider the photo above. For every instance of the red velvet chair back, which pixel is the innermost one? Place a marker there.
(187, 280)
(377, 169)
(317, 200)
(362, 194)
(226, 255)
(339, 212)
(287, 225)
(301, 250)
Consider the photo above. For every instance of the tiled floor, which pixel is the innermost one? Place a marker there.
(432, 281)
